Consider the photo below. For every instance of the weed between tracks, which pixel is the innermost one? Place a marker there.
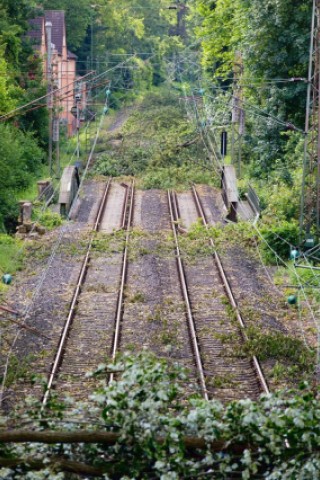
(19, 370)
(292, 361)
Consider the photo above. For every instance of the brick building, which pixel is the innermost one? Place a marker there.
(63, 61)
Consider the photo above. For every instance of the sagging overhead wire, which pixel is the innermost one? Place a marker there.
(299, 280)
(38, 288)
(17, 110)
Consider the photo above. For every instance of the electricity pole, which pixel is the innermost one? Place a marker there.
(78, 105)
(49, 89)
(310, 194)
(238, 115)
(56, 131)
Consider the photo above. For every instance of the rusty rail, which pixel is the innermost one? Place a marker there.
(174, 215)
(228, 290)
(126, 223)
(84, 267)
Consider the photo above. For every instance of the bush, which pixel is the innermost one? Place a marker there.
(49, 219)
(20, 159)
(10, 254)
(157, 436)
(280, 238)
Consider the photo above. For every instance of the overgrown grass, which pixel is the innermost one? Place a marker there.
(11, 257)
(279, 346)
(48, 219)
(178, 178)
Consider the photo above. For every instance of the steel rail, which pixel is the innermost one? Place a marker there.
(127, 223)
(75, 297)
(228, 289)
(183, 281)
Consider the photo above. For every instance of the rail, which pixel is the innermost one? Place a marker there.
(126, 223)
(63, 339)
(174, 215)
(228, 289)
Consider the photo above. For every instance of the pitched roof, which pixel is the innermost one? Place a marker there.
(35, 32)
(57, 18)
(72, 56)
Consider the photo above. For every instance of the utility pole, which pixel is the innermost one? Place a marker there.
(78, 102)
(310, 194)
(238, 115)
(49, 89)
(56, 125)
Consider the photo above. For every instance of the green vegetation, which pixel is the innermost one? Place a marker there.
(48, 219)
(157, 436)
(263, 46)
(20, 159)
(11, 258)
(10, 254)
(272, 38)
(18, 370)
(288, 350)
(158, 145)
(23, 137)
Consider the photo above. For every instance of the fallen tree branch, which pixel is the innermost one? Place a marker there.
(57, 464)
(30, 329)
(105, 438)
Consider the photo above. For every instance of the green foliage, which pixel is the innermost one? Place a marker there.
(273, 438)
(273, 40)
(48, 219)
(156, 144)
(276, 345)
(10, 254)
(21, 82)
(20, 159)
(280, 238)
(178, 178)
(140, 28)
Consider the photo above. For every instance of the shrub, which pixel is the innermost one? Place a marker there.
(10, 254)
(49, 219)
(280, 238)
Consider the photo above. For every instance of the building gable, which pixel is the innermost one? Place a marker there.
(57, 18)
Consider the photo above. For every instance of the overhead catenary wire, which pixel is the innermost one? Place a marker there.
(21, 107)
(297, 276)
(36, 293)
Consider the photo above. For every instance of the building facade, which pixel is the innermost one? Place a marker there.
(61, 74)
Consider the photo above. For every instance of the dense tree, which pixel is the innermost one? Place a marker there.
(273, 38)
(20, 82)
(78, 17)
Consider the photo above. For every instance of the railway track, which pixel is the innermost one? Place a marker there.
(220, 374)
(150, 296)
(174, 217)
(255, 362)
(87, 334)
